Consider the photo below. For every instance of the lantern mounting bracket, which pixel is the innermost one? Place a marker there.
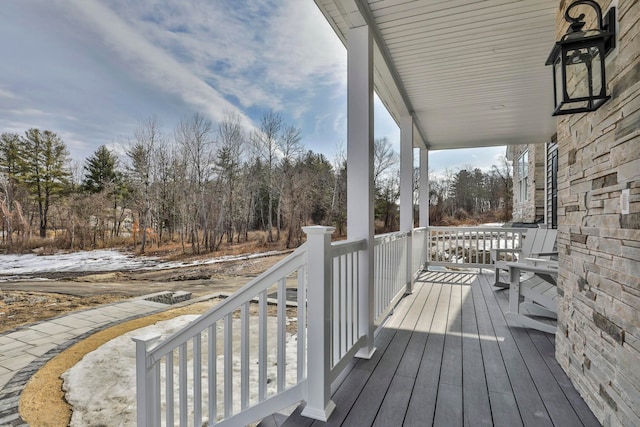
(606, 24)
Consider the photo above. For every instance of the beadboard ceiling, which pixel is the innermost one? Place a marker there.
(471, 72)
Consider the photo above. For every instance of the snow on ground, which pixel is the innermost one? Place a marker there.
(28, 266)
(101, 387)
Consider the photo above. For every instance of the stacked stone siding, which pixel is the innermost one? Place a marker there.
(532, 209)
(598, 339)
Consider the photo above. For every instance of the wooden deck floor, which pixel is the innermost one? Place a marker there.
(447, 357)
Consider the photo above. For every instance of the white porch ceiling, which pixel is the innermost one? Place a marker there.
(471, 72)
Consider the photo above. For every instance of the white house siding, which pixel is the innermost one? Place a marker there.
(598, 340)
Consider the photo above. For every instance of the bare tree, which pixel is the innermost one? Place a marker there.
(194, 136)
(291, 148)
(9, 171)
(266, 140)
(228, 165)
(147, 137)
(384, 159)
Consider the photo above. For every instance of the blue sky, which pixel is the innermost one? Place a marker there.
(92, 70)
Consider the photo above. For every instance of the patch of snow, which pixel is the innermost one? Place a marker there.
(101, 387)
(99, 260)
(28, 266)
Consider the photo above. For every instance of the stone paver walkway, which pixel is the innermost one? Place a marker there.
(23, 351)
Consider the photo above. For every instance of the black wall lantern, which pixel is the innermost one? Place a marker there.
(579, 80)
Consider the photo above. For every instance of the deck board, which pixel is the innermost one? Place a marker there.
(422, 405)
(547, 351)
(530, 405)
(477, 410)
(448, 357)
(449, 401)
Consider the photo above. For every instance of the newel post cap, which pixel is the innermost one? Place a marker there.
(318, 229)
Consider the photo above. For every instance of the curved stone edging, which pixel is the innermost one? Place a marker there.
(10, 393)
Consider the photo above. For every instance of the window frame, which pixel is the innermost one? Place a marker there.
(523, 176)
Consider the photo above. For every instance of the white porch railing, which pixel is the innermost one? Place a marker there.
(469, 247)
(418, 249)
(207, 372)
(282, 338)
(288, 334)
(263, 348)
(390, 272)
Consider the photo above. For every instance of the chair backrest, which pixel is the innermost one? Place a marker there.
(538, 240)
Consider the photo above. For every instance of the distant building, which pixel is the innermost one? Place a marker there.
(535, 188)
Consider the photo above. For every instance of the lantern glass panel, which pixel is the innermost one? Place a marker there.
(578, 72)
(596, 72)
(557, 71)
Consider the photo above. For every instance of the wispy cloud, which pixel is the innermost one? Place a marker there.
(7, 94)
(150, 62)
(256, 52)
(90, 70)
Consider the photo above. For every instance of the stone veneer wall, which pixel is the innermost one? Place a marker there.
(532, 209)
(598, 339)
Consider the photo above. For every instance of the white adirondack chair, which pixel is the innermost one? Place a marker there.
(536, 282)
(536, 242)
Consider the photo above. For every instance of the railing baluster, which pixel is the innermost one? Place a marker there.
(197, 379)
(262, 346)
(302, 326)
(348, 287)
(457, 246)
(155, 391)
(228, 365)
(344, 343)
(182, 384)
(244, 356)
(213, 374)
(282, 333)
(335, 312)
(169, 415)
(356, 295)
(386, 269)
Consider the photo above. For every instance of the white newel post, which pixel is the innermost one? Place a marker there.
(360, 177)
(406, 192)
(319, 404)
(147, 385)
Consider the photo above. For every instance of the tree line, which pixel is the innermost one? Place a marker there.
(471, 194)
(204, 186)
(201, 185)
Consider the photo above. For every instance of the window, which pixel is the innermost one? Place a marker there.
(523, 175)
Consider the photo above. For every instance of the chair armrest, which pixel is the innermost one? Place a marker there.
(541, 261)
(545, 254)
(547, 268)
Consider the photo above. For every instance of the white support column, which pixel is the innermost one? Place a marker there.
(424, 199)
(406, 190)
(424, 187)
(360, 169)
(319, 404)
